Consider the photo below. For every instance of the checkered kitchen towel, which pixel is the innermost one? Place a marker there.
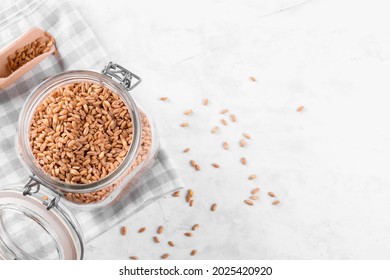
(78, 49)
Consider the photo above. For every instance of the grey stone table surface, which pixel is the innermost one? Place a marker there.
(328, 165)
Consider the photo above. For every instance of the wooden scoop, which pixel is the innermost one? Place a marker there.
(8, 73)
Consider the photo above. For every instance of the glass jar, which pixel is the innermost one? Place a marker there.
(117, 184)
(42, 207)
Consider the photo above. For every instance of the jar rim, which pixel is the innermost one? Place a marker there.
(58, 222)
(40, 93)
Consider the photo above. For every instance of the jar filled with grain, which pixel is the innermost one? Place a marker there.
(82, 135)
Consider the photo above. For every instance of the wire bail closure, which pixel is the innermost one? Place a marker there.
(34, 182)
(122, 75)
(27, 190)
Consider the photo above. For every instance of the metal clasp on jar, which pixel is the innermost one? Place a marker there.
(122, 75)
(33, 186)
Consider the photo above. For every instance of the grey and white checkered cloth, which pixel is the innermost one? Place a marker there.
(79, 49)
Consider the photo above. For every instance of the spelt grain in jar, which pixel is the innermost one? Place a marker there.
(82, 135)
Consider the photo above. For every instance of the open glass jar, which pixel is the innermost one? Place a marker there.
(46, 149)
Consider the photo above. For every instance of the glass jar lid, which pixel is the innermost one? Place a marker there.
(36, 224)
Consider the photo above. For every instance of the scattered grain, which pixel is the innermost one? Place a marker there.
(223, 121)
(255, 191)
(189, 196)
(195, 227)
(249, 202)
(253, 79)
(214, 207)
(165, 256)
(164, 98)
(225, 145)
(224, 111)
(205, 102)
(254, 197)
(300, 109)
(134, 258)
(243, 160)
(186, 150)
(215, 165)
(141, 229)
(246, 135)
(252, 177)
(123, 230)
(242, 143)
(271, 194)
(176, 194)
(233, 117)
(170, 243)
(188, 112)
(189, 234)
(155, 239)
(214, 129)
(193, 252)
(276, 202)
(184, 124)
(160, 229)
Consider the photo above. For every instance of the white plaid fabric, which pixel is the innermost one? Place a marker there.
(79, 49)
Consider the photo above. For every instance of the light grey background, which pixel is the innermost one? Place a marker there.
(328, 165)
